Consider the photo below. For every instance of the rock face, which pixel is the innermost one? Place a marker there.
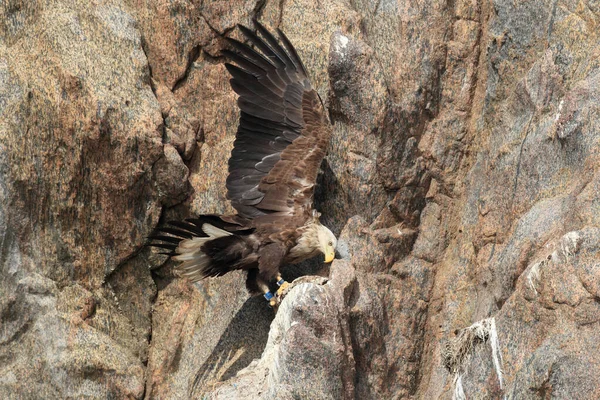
(463, 181)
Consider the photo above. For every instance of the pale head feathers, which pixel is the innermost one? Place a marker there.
(327, 242)
(315, 239)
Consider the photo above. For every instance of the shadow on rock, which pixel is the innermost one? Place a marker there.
(243, 341)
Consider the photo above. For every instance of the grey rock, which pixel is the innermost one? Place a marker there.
(462, 181)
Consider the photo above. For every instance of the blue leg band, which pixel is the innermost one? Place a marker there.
(268, 295)
(280, 282)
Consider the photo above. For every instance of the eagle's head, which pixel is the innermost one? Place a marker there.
(314, 239)
(327, 242)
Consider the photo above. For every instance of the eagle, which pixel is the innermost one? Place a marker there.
(281, 140)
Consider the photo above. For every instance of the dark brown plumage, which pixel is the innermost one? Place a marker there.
(281, 140)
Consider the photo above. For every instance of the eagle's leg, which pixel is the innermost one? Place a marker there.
(283, 285)
(270, 258)
(272, 299)
(267, 293)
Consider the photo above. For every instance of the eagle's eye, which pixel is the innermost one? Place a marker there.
(330, 243)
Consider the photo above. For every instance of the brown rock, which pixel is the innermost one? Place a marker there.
(171, 177)
(462, 180)
(80, 131)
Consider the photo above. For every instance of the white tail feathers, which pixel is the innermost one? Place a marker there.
(214, 232)
(188, 248)
(189, 252)
(192, 270)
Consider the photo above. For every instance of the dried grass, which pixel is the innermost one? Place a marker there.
(458, 351)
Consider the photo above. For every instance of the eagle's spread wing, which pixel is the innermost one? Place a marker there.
(283, 131)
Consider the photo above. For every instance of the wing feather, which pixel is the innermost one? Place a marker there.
(296, 58)
(272, 55)
(283, 132)
(278, 49)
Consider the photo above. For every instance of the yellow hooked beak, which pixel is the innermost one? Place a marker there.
(329, 255)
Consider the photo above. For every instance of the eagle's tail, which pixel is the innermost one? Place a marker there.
(206, 246)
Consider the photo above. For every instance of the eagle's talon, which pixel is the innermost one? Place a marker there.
(283, 288)
(274, 302)
(282, 291)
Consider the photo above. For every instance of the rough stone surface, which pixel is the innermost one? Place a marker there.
(462, 181)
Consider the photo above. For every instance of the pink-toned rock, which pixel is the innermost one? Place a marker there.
(462, 181)
(79, 135)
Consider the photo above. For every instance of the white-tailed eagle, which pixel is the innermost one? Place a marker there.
(281, 140)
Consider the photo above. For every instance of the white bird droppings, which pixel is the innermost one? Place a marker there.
(341, 44)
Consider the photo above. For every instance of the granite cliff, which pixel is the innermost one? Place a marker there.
(463, 181)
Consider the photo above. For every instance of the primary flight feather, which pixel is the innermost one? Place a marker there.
(282, 137)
